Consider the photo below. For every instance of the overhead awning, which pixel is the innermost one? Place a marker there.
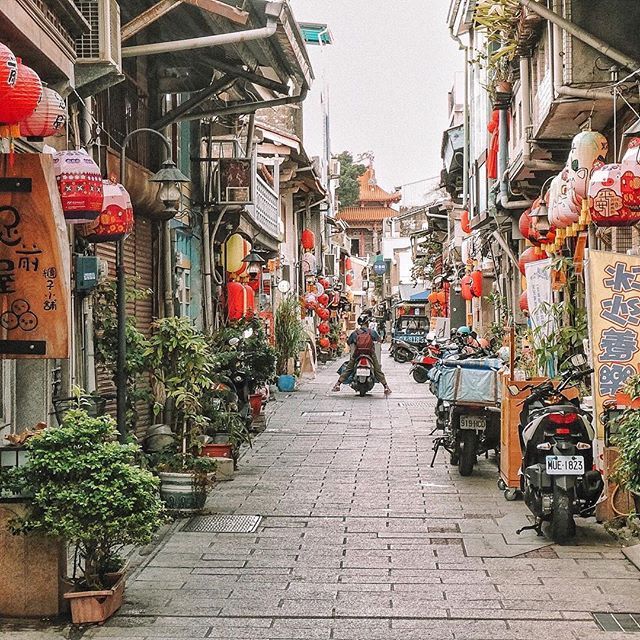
(421, 296)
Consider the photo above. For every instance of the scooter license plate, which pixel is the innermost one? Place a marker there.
(363, 372)
(565, 465)
(477, 423)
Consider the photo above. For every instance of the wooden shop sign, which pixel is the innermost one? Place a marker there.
(35, 298)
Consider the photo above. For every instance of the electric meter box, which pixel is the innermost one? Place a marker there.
(87, 272)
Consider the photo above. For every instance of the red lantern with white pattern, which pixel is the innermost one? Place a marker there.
(80, 186)
(22, 100)
(116, 219)
(8, 72)
(49, 118)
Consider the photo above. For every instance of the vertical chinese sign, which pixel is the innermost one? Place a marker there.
(34, 264)
(614, 323)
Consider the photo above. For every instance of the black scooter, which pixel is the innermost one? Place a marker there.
(558, 480)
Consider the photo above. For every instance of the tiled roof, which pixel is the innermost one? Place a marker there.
(365, 214)
(371, 192)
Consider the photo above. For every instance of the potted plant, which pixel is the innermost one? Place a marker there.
(291, 338)
(88, 491)
(182, 365)
(627, 439)
(630, 394)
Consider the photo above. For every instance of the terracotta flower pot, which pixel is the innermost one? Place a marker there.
(224, 450)
(97, 606)
(255, 400)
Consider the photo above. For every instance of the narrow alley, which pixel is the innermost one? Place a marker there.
(360, 539)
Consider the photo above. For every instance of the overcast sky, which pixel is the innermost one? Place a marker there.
(389, 71)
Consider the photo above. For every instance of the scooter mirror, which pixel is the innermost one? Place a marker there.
(247, 333)
(233, 342)
(514, 390)
(578, 360)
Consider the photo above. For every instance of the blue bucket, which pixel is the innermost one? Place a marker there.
(286, 383)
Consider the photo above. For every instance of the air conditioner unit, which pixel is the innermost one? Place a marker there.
(99, 62)
(334, 168)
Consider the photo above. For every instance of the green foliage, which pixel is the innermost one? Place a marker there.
(253, 354)
(173, 462)
(500, 19)
(627, 469)
(349, 191)
(181, 362)
(87, 491)
(106, 343)
(291, 337)
(423, 267)
(632, 386)
(567, 326)
(233, 425)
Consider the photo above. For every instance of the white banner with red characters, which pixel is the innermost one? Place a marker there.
(613, 302)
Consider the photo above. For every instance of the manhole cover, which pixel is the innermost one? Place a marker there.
(222, 524)
(330, 414)
(620, 622)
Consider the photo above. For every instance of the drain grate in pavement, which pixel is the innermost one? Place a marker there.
(620, 622)
(328, 414)
(222, 524)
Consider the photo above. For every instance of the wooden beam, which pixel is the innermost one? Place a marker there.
(221, 9)
(147, 17)
(163, 7)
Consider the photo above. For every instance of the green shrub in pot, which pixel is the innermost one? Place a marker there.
(627, 440)
(88, 491)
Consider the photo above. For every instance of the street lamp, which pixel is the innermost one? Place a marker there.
(254, 261)
(169, 178)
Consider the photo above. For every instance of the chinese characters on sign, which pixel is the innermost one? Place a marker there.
(614, 314)
(34, 268)
(540, 296)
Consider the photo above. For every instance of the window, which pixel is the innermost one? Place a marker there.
(355, 247)
(184, 292)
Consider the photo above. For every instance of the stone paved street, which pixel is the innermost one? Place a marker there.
(362, 540)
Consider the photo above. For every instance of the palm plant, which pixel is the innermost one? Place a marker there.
(289, 331)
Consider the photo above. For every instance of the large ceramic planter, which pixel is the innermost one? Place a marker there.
(183, 492)
(97, 606)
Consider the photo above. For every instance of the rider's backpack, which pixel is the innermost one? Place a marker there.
(364, 342)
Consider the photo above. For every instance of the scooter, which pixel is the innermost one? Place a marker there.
(424, 361)
(363, 379)
(402, 351)
(558, 480)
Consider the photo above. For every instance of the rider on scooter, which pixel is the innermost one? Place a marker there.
(358, 338)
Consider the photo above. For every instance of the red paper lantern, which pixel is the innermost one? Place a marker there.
(324, 328)
(308, 239)
(432, 298)
(116, 219)
(250, 301)
(23, 98)
(441, 298)
(310, 301)
(236, 300)
(80, 186)
(467, 283)
(532, 254)
(476, 287)
(323, 299)
(326, 284)
(349, 279)
(324, 342)
(464, 222)
(254, 284)
(49, 117)
(323, 313)
(347, 264)
(8, 72)
(524, 301)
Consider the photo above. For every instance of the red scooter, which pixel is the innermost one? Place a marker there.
(424, 361)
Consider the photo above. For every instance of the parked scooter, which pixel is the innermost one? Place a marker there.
(402, 351)
(468, 409)
(423, 362)
(558, 478)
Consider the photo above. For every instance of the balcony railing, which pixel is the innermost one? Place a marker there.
(266, 211)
